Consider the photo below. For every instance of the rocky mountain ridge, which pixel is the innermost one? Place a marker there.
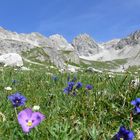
(57, 50)
(85, 45)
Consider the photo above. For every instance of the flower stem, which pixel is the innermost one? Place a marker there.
(131, 120)
(36, 129)
(16, 111)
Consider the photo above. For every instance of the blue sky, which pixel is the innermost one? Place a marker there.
(101, 19)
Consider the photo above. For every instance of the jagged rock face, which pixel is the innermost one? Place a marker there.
(58, 49)
(13, 46)
(61, 51)
(60, 43)
(11, 59)
(34, 38)
(136, 35)
(85, 45)
(110, 44)
(132, 40)
(16, 43)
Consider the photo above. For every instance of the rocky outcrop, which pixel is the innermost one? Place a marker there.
(110, 44)
(132, 40)
(59, 51)
(14, 46)
(85, 45)
(11, 59)
(60, 43)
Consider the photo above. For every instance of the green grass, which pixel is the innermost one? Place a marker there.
(33, 54)
(93, 116)
(120, 61)
(134, 68)
(102, 65)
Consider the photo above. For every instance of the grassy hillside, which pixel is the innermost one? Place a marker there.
(37, 55)
(104, 64)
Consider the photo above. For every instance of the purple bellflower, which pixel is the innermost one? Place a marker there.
(136, 103)
(29, 119)
(78, 85)
(71, 88)
(124, 134)
(17, 99)
(89, 87)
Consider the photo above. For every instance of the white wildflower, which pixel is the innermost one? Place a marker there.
(36, 107)
(111, 76)
(136, 72)
(135, 82)
(8, 88)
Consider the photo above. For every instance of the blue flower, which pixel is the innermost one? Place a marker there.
(67, 90)
(78, 85)
(89, 87)
(136, 103)
(17, 99)
(74, 79)
(70, 85)
(55, 78)
(14, 81)
(71, 88)
(124, 134)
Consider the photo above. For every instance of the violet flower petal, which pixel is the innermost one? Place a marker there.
(133, 102)
(28, 119)
(23, 118)
(36, 118)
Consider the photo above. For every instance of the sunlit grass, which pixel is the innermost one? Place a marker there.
(95, 116)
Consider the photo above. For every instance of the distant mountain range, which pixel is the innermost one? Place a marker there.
(83, 49)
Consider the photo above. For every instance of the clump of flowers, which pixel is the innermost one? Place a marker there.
(29, 119)
(17, 99)
(72, 88)
(124, 134)
(136, 103)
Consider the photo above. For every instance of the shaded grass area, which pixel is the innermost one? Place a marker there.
(37, 55)
(104, 64)
(94, 116)
(134, 68)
